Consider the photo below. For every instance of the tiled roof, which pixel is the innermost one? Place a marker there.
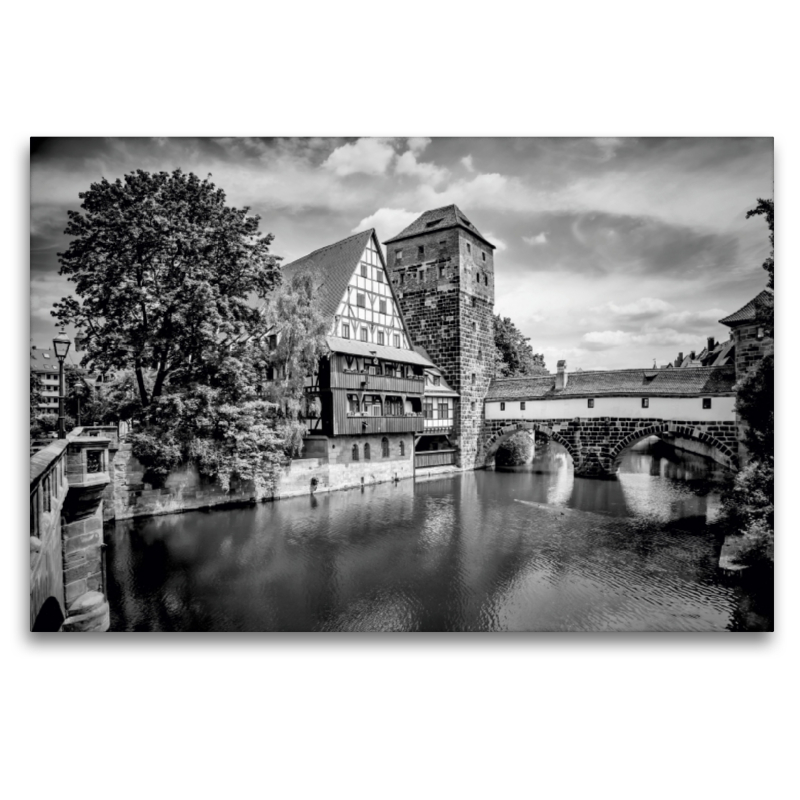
(331, 268)
(439, 219)
(641, 382)
(43, 360)
(747, 313)
(358, 348)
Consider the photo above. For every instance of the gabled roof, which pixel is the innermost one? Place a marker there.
(440, 219)
(358, 348)
(637, 382)
(748, 312)
(331, 268)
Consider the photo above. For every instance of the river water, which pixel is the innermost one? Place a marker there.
(529, 549)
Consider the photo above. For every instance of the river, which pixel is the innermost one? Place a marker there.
(528, 549)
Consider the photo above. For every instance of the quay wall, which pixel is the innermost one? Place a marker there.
(331, 468)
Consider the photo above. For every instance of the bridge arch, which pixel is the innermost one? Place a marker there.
(715, 449)
(494, 442)
(50, 617)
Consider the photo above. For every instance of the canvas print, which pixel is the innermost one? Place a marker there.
(401, 384)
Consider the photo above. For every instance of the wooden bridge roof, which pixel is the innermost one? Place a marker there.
(688, 382)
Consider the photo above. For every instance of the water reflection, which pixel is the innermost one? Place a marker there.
(533, 548)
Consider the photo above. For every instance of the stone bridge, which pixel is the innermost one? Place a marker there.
(596, 416)
(596, 445)
(68, 480)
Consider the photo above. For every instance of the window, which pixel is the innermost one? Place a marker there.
(364, 271)
(397, 340)
(472, 406)
(706, 402)
(421, 251)
(382, 306)
(437, 381)
(270, 373)
(422, 275)
(361, 301)
(590, 402)
(502, 406)
(379, 275)
(474, 301)
(94, 461)
(484, 255)
(473, 378)
(441, 272)
(428, 410)
(371, 369)
(645, 402)
(444, 410)
(402, 448)
(398, 257)
(366, 452)
(474, 326)
(355, 452)
(469, 247)
(522, 406)
(385, 447)
(345, 331)
(760, 333)
(486, 280)
(364, 335)
(380, 337)
(272, 342)
(402, 277)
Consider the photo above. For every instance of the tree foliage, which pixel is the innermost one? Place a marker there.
(163, 270)
(513, 354)
(766, 208)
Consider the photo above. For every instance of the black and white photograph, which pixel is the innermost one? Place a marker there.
(401, 384)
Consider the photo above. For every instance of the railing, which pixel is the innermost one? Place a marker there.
(354, 425)
(444, 424)
(378, 383)
(434, 458)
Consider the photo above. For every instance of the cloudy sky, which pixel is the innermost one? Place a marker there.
(610, 252)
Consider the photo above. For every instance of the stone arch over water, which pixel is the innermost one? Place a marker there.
(498, 439)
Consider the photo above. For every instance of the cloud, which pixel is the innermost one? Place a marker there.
(368, 156)
(605, 340)
(607, 145)
(387, 221)
(416, 144)
(638, 309)
(407, 164)
(496, 241)
(540, 238)
(467, 162)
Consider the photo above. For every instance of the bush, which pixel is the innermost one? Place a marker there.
(516, 451)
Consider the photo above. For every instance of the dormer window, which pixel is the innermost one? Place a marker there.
(437, 381)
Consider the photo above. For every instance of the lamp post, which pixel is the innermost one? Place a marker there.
(61, 345)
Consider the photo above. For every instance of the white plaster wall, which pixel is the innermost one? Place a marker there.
(678, 408)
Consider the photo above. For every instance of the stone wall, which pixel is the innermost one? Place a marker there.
(447, 299)
(595, 444)
(334, 468)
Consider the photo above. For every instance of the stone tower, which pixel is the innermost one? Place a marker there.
(442, 269)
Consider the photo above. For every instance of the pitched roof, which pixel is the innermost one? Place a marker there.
(43, 359)
(358, 348)
(638, 382)
(748, 312)
(440, 219)
(331, 268)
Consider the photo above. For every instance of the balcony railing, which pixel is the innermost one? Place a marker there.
(434, 458)
(363, 424)
(414, 384)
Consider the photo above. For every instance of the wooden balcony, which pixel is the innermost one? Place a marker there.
(362, 381)
(355, 425)
(434, 458)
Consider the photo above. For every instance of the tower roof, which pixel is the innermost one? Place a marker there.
(331, 268)
(749, 312)
(440, 219)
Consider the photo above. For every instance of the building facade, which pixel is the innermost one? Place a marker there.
(442, 269)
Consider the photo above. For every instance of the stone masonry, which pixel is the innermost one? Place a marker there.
(444, 283)
(595, 444)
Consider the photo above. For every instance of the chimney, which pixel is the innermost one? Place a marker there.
(710, 343)
(679, 360)
(561, 375)
(692, 355)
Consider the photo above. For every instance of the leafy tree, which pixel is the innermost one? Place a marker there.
(35, 396)
(163, 270)
(513, 355)
(766, 208)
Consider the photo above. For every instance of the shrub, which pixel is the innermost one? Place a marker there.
(515, 451)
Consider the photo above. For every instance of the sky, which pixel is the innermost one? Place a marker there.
(611, 252)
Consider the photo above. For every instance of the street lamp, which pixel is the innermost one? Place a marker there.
(61, 345)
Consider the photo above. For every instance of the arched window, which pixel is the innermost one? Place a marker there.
(355, 452)
(402, 448)
(385, 447)
(366, 452)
